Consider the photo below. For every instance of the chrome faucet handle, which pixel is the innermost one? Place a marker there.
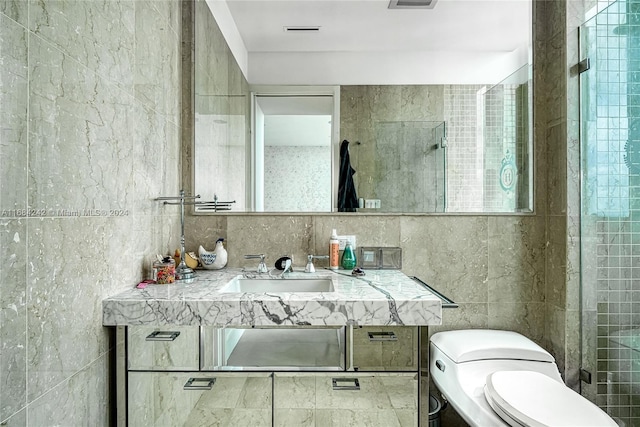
(262, 267)
(287, 266)
(310, 268)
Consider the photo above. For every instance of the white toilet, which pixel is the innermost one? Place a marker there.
(501, 378)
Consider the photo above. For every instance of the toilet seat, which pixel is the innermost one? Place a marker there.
(528, 398)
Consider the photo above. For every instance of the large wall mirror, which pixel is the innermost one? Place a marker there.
(281, 129)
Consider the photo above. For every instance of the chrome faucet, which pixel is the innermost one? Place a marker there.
(310, 268)
(287, 266)
(262, 267)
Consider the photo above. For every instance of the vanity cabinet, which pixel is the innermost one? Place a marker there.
(299, 376)
(384, 348)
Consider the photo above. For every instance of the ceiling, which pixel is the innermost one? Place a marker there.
(456, 37)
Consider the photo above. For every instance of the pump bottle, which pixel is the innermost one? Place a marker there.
(334, 250)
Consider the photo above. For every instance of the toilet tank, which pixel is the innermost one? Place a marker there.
(486, 344)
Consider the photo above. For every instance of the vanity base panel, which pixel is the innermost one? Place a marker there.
(173, 399)
(345, 399)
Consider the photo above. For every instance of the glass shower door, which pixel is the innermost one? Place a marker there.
(610, 210)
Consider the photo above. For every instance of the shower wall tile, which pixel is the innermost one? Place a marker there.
(13, 316)
(99, 35)
(516, 260)
(13, 118)
(422, 102)
(80, 146)
(59, 406)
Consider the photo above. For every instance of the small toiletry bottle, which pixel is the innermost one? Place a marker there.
(348, 257)
(334, 250)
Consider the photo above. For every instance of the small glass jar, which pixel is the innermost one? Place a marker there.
(164, 272)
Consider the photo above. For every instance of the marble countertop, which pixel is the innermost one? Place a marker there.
(381, 297)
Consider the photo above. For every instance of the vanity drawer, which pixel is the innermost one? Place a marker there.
(194, 399)
(167, 348)
(341, 399)
(384, 348)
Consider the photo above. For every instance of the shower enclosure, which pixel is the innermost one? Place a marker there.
(403, 166)
(610, 210)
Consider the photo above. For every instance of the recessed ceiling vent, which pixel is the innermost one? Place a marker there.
(302, 29)
(412, 4)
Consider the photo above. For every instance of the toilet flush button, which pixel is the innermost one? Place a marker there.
(440, 365)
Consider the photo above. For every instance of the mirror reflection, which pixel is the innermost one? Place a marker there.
(414, 148)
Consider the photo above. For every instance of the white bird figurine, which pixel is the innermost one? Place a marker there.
(216, 259)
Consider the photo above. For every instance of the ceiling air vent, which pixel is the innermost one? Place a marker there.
(301, 29)
(412, 4)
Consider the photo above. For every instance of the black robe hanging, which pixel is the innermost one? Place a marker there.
(347, 197)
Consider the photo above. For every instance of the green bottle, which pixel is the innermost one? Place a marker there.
(348, 260)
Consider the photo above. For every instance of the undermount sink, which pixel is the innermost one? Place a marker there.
(241, 284)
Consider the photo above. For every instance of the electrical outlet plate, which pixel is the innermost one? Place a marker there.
(343, 241)
(380, 258)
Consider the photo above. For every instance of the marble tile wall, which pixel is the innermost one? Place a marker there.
(89, 135)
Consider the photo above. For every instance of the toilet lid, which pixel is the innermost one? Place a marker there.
(533, 399)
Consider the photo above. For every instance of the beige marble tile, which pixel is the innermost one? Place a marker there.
(449, 253)
(16, 10)
(293, 392)
(294, 417)
(557, 170)
(422, 102)
(80, 146)
(274, 236)
(18, 419)
(82, 398)
(355, 417)
(516, 259)
(369, 230)
(64, 294)
(99, 35)
(157, 61)
(525, 318)
(466, 316)
(13, 316)
(556, 270)
(13, 117)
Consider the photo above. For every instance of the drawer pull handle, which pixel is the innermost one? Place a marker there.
(346, 384)
(162, 336)
(382, 336)
(199, 384)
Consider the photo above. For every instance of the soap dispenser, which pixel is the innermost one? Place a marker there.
(348, 261)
